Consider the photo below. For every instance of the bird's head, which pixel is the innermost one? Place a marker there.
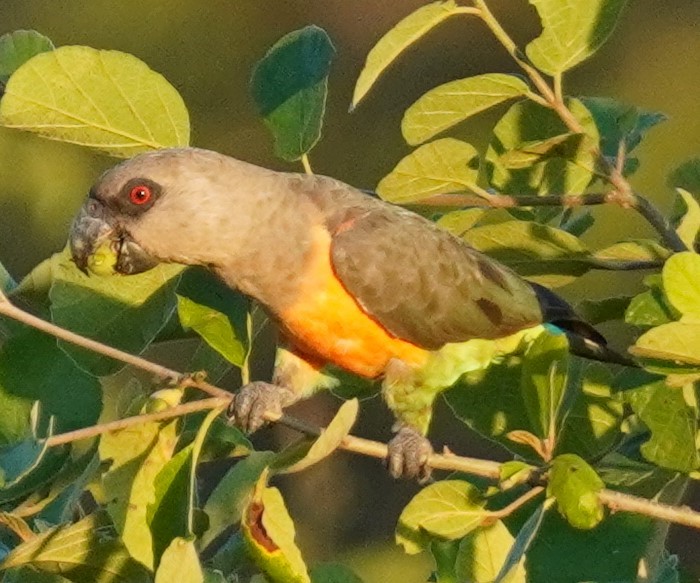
(156, 207)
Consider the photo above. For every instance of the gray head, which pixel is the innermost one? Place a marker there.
(162, 206)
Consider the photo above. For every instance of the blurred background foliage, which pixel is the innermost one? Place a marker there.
(207, 51)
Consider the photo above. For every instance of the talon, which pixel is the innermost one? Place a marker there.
(408, 455)
(249, 406)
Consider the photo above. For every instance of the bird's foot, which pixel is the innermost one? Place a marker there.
(409, 451)
(251, 403)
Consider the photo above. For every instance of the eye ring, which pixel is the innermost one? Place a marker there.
(140, 194)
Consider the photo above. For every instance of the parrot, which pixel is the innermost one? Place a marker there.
(351, 281)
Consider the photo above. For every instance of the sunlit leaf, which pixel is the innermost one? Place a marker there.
(18, 47)
(331, 437)
(447, 510)
(634, 250)
(395, 42)
(289, 87)
(544, 254)
(442, 166)
(688, 223)
(448, 104)
(681, 279)
(575, 486)
(105, 100)
(180, 563)
(137, 455)
(269, 533)
(572, 31)
(126, 312)
(651, 308)
(483, 553)
(676, 344)
(567, 168)
(226, 504)
(85, 551)
(459, 222)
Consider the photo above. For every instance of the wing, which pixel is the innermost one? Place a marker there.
(421, 283)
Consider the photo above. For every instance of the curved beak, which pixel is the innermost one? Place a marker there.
(96, 228)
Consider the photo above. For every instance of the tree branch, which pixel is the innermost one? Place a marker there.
(616, 501)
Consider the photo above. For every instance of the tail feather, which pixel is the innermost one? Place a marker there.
(584, 339)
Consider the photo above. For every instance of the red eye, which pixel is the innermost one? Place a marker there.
(140, 194)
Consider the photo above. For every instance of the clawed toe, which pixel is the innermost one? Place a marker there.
(250, 405)
(408, 456)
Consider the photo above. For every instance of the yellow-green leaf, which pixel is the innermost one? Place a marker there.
(442, 166)
(269, 534)
(689, 224)
(105, 100)
(572, 31)
(482, 554)
(394, 42)
(634, 250)
(331, 437)
(180, 563)
(85, 551)
(675, 342)
(446, 510)
(681, 278)
(575, 485)
(449, 104)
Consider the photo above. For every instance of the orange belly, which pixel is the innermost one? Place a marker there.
(327, 323)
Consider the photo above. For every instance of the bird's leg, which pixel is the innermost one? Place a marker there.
(295, 378)
(412, 404)
(248, 408)
(409, 451)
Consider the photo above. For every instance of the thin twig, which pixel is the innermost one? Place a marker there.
(617, 501)
(519, 502)
(510, 201)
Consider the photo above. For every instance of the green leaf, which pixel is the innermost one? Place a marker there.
(289, 86)
(687, 176)
(442, 166)
(105, 100)
(171, 515)
(215, 312)
(610, 552)
(620, 123)
(397, 40)
(483, 553)
(444, 556)
(226, 504)
(491, 403)
(333, 573)
(544, 254)
(544, 381)
(269, 533)
(688, 223)
(681, 279)
(18, 47)
(651, 308)
(603, 310)
(572, 31)
(670, 413)
(593, 425)
(85, 551)
(451, 103)
(124, 312)
(526, 537)
(566, 161)
(33, 368)
(445, 510)
(180, 563)
(29, 575)
(137, 455)
(633, 250)
(575, 486)
(331, 437)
